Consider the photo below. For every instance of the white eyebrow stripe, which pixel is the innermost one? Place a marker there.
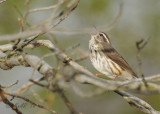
(105, 36)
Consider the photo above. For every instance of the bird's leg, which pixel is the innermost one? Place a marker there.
(98, 74)
(115, 77)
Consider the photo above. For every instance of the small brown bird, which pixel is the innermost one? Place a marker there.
(107, 60)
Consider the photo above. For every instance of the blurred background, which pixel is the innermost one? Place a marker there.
(139, 19)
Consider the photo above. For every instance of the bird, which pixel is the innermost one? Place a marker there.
(107, 60)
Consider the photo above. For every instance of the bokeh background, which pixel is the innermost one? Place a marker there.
(139, 19)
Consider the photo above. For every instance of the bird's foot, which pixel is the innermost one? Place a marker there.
(115, 77)
(97, 74)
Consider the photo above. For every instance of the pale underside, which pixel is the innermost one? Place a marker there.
(100, 65)
(106, 65)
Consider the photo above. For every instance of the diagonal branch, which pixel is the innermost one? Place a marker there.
(30, 60)
(31, 102)
(137, 103)
(7, 102)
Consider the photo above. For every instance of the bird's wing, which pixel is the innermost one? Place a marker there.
(111, 53)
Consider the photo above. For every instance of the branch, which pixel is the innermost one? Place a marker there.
(31, 102)
(43, 9)
(88, 30)
(35, 30)
(64, 17)
(25, 86)
(32, 61)
(137, 103)
(86, 76)
(2, 1)
(7, 102)
(140, 45)
(29, 60)
(9, 85)
(65, 99)
(104, 83)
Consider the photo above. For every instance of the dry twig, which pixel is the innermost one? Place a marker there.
(31, 102)
(7, 102)
(32, 32)
(140, 45)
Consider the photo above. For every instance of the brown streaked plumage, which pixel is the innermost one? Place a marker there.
(107, 60)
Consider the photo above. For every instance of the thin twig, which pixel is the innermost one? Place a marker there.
(86, 93)
(25, 87)
(39, 84)
(65, 99)
(137, 103)
(110, 26)
(26, 14)
(5, 87)
(60, 92)
(28, 33)
(140, 45)
(56, 88)
(7, 102)
(87, 30)
(43, 9)
(83, 57)
(72, 48)
(29, 40)
(65, 16)
(31, 102)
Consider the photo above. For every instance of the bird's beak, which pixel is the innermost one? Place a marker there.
(90, 35)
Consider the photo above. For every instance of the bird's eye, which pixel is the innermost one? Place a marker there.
(101, 34)
(104, 37)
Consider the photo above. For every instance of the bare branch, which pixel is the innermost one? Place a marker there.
(25, 87)
(65, 99)
(9, 85)
(7, 63)
(39, 84)
(31, 102)
(137, 103)
(88, 30)
(86, 93)
(7, 102)
(83, 76)
(64, 17)
(32, 61)
(112, 25)
(140, 45)
(46, 8)
(35, 31)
